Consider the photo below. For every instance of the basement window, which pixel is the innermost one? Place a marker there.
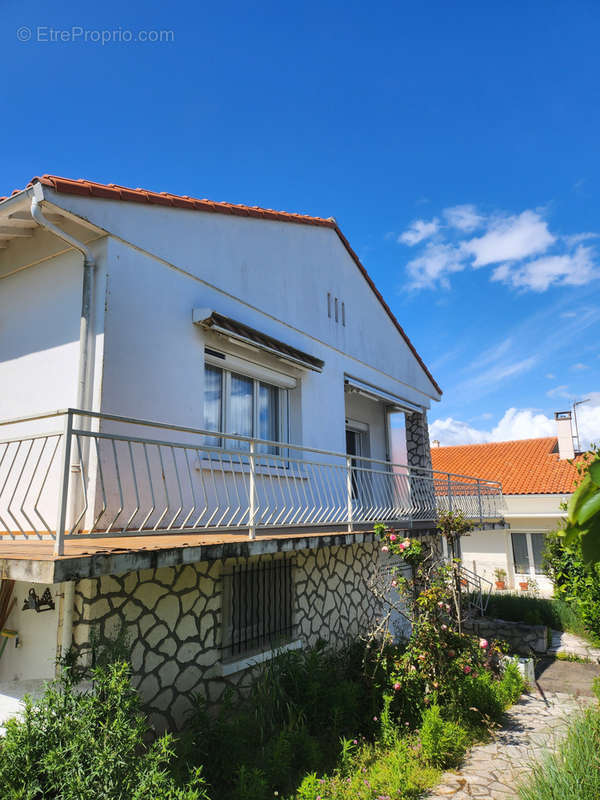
(258, 607)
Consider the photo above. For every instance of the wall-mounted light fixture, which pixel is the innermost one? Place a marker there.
(43, 603)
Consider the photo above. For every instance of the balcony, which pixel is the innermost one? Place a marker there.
(72, 476)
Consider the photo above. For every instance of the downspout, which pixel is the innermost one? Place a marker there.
(83, 400)
(89, 264)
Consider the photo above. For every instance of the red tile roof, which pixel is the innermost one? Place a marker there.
(111, 191)
(526, 466)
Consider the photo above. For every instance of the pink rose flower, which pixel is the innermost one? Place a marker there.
(394, 584)
(385, 548)
(483, 643)
(396, 687)
(466, 669)
(440, 604)
(393, 537)
(444, 627)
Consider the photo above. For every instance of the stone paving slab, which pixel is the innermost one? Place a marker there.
(570, 644)
(491, 771)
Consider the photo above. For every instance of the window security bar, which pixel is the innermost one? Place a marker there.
(258, 607)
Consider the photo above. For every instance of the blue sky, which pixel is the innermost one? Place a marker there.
(455, 143)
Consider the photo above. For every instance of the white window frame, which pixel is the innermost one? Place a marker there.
(530, 554)
(257, 374)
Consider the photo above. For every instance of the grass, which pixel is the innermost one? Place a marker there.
(573, 772)
(552, 612)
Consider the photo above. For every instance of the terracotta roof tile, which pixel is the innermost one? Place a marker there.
(112, 191)
(526, 466)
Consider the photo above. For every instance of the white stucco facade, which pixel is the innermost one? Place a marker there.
(529, 514)
(154, 266)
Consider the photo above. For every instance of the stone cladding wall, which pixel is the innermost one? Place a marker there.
(417, 441)
(171, 618)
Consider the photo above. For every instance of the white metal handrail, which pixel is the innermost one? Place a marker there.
(478, 587)
(107, 475)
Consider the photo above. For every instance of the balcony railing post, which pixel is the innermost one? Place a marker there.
(480, 501)
(349, 493)
(252, 493)
(449, 493)
(63, 489)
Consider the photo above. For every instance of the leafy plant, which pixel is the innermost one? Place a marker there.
(443, 743)
(583, 511)
(74, 744)
(575, 584)
(573, 770)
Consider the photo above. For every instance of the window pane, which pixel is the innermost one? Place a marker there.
(268, 416)
(538, 543)
(240, 409)
(213, 392)
(519, 543)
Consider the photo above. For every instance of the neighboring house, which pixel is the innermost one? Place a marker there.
(233, 371)
(537, 476)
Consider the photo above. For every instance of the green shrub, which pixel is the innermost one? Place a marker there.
(553, 612)
(73, 745)
(481, 699)
(443, 743)
(373, 771)
(576, 586)
(573, 771)
(291, 723)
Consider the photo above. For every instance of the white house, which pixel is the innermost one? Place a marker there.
(537, 477)
(232, 372)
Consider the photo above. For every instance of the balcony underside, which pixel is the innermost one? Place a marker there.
(36, 561)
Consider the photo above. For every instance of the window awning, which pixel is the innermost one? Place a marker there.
(374, 393)
(237, 331)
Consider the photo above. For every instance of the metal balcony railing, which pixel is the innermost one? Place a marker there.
(102, 475)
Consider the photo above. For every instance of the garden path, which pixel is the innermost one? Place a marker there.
(570, 644)
(533, 726)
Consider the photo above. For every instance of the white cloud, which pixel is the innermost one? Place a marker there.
(522, 251)
(579, 366)
(434, 265)
(519, 424)
(573, 269)
(488, 380)
(577, 238)
(550, 376)
(560, 391)
(510, 239)
(419, 231)
(464, 218)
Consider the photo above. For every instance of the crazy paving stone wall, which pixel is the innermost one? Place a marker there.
(417, 441)
(171, 618)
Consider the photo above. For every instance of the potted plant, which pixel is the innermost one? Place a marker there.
(500, 575)
(523, 585)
